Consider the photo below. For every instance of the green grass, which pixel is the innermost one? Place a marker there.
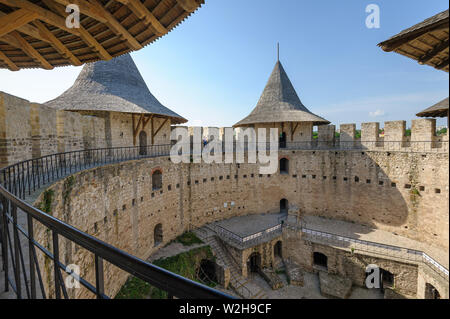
(184, 264)
(188, 239)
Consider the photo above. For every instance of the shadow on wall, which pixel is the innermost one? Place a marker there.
(398, 192)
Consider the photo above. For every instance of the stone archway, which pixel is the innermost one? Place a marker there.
(142, 143)
(278, 249)
(158, 235)
(156, 180)
(320, 260)
(387, 278)
(284, 166)
(284, 206)
(431, 292)
(254, 263)
(282, 140)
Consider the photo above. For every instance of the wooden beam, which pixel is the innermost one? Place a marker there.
(116, 26)
(442, 65)
(390, 45)
(132, 124)
(188, 5)
(43, 14)
(28, 49)
(56, 43)
(145, 122)
(158, 129)
(11, 65)
(16, 40)
(86, 8)
(293, 129)
(142, 12)
(83, 33)
(11, 22)
(31, 31)
(136, 128)
(435, 51)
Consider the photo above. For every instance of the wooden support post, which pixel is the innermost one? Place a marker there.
(293, 129)
(157, 130)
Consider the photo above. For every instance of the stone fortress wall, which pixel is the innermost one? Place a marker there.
(31, 130)
(399, 190)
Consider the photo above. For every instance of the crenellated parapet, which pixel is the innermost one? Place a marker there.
(393, 137)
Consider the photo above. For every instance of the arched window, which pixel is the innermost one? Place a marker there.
(284, 205)
(284, 166)
(282, 140)
(387, 278)
(431, 292)
(142, 143)
(320, 260)
(157, 180)
(254, 262)
(277, 249)
(157, 235)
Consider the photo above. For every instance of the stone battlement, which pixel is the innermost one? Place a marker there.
(423, 137)
(30, 130)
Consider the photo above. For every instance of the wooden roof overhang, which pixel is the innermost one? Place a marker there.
(426, 42)
(33, 33)
(438, 110)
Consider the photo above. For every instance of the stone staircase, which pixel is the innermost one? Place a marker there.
(242, 286)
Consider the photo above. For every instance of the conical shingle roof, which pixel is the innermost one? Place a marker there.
(280, 103)
(114, 86)
(440, 109)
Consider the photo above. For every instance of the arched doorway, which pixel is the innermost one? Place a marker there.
(206, 272)
(431, 292)
(277, 249)
(156, 180)
(282, 140)
(320, 260)
(142, 143)
(284, 166)
(157, 235)
(284, 205)
(254, 262)
(387, 278)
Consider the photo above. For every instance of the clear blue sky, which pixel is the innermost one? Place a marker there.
(213, 67)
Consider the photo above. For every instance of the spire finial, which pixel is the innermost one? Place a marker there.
(278, 51)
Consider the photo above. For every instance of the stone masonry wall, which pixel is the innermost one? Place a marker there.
(116, 203)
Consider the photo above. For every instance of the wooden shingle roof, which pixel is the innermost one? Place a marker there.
(426, 42)
(34, 33)
(440, 109)
(113, 86)
(279, 102)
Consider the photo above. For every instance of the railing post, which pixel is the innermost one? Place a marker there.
(31, 257)
(99, 278)
(56, 264)
(16, 252)
(5, 241)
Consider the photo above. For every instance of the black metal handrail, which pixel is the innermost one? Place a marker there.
(22, 178)
(366, 245)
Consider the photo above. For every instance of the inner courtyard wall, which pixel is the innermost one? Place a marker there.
(117, 204)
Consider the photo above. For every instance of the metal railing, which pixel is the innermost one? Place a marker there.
(26, 279)
(249, 240)
(321, 237)
(23, 178)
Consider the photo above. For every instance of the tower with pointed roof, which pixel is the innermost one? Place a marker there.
(280, 107)
(115, 90)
